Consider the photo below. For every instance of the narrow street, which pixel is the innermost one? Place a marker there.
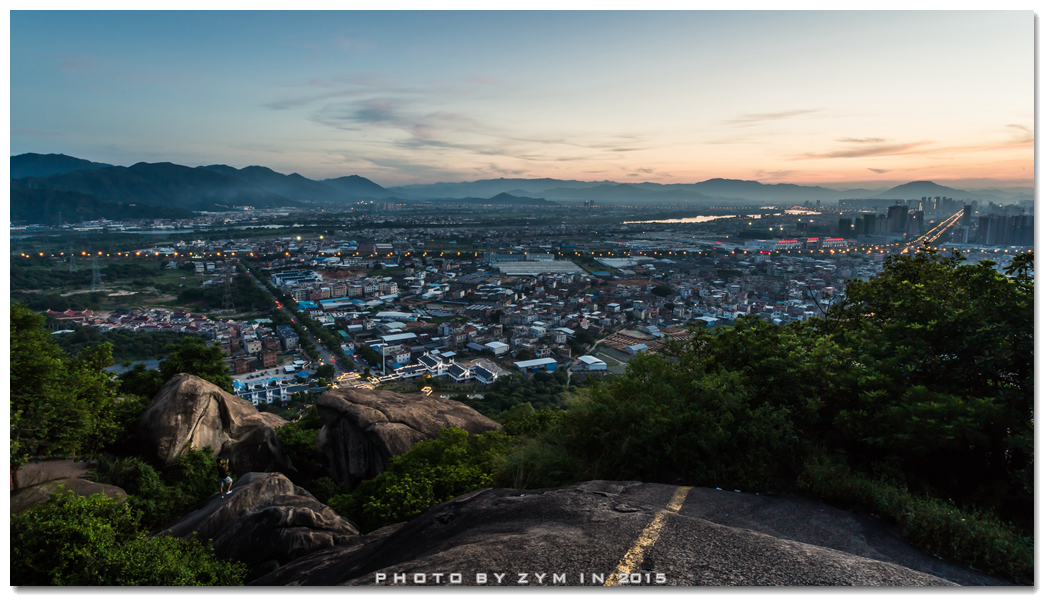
(324, 353)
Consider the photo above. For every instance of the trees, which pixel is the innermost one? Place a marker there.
(432, 472)
(92, 541)
(194, 357)
(325, 371)
(58, 404)
(923, 377)
(951, 349)
(369, 355)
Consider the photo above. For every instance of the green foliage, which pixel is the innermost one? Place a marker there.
(141, 381)
(973, 538)
(432, 472)
(661, 290)
(193, 356)
(527, 422)
(161, 497)
(323, 489)
(127, 345)
(245, 295)
(311, 420)
(325, 371)
(922, 377)
(542, 391)
(299, 444)
(58, 404)
(96, 541)
(948, 398)
(370, 356)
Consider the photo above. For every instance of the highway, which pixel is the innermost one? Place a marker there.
(324, 353)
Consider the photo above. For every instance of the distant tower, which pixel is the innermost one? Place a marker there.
(72, 259)
(227, 304)
(96, 283)
(59, 220)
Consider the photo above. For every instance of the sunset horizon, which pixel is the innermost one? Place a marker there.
(834, 99)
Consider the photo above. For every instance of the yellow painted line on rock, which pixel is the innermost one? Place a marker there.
(630, 562)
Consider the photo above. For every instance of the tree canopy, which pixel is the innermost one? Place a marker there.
(59, 404)
(193, 356)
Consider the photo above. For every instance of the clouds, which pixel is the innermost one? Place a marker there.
(775, 174)
(867, 151)
(755, 118)
(879, 170)
(1021, 136)
(861, 140)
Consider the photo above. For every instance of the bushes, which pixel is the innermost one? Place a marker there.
(96, 541)
(970, 537)
(299, 444)
(163, 497)
(59, 404)
(664, 423)
(432, 472)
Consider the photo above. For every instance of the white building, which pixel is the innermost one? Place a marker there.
(591, 363)
(498, 348)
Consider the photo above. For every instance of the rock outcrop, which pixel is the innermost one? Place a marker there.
(280, 530)
(189, 412)
(691, 537)
(265, 521)
(366, 428)
(246, 493)
(31, 496)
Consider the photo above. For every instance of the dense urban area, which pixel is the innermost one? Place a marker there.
(399, 294)
(604, 341)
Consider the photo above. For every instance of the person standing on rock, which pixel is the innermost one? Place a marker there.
(224, 476)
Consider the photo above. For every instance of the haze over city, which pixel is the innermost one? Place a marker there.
(842, 99)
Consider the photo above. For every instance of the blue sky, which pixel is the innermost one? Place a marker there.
(412, 97)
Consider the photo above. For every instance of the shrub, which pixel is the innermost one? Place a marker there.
(95, 541)
(432, 472)
(299, 444)
(973, 538)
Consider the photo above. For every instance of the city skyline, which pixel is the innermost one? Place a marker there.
(842, 99)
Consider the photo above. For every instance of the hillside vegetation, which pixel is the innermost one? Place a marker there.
(911, 401)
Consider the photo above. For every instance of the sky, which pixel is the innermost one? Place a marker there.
(843, 99)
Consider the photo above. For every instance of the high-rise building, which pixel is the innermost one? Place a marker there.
(844, 228)
(966, 217)
(897, 214)
(915, 224)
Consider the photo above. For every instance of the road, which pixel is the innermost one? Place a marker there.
(324, 353)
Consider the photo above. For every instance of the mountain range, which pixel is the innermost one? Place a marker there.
(219, 187)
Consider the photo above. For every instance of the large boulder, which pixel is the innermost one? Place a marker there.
(219, 511)
(31, 496)
(691, 537)
(189, 412)
(265, 521)
(280, 530)
(38, 472)
(366, 428)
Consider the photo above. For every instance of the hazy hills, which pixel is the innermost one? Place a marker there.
(91, 190)
(219, 187)
(42, 165)
(163, 184)
(299, 188)
(43, 206)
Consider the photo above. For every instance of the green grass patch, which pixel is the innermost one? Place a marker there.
(973, 538)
